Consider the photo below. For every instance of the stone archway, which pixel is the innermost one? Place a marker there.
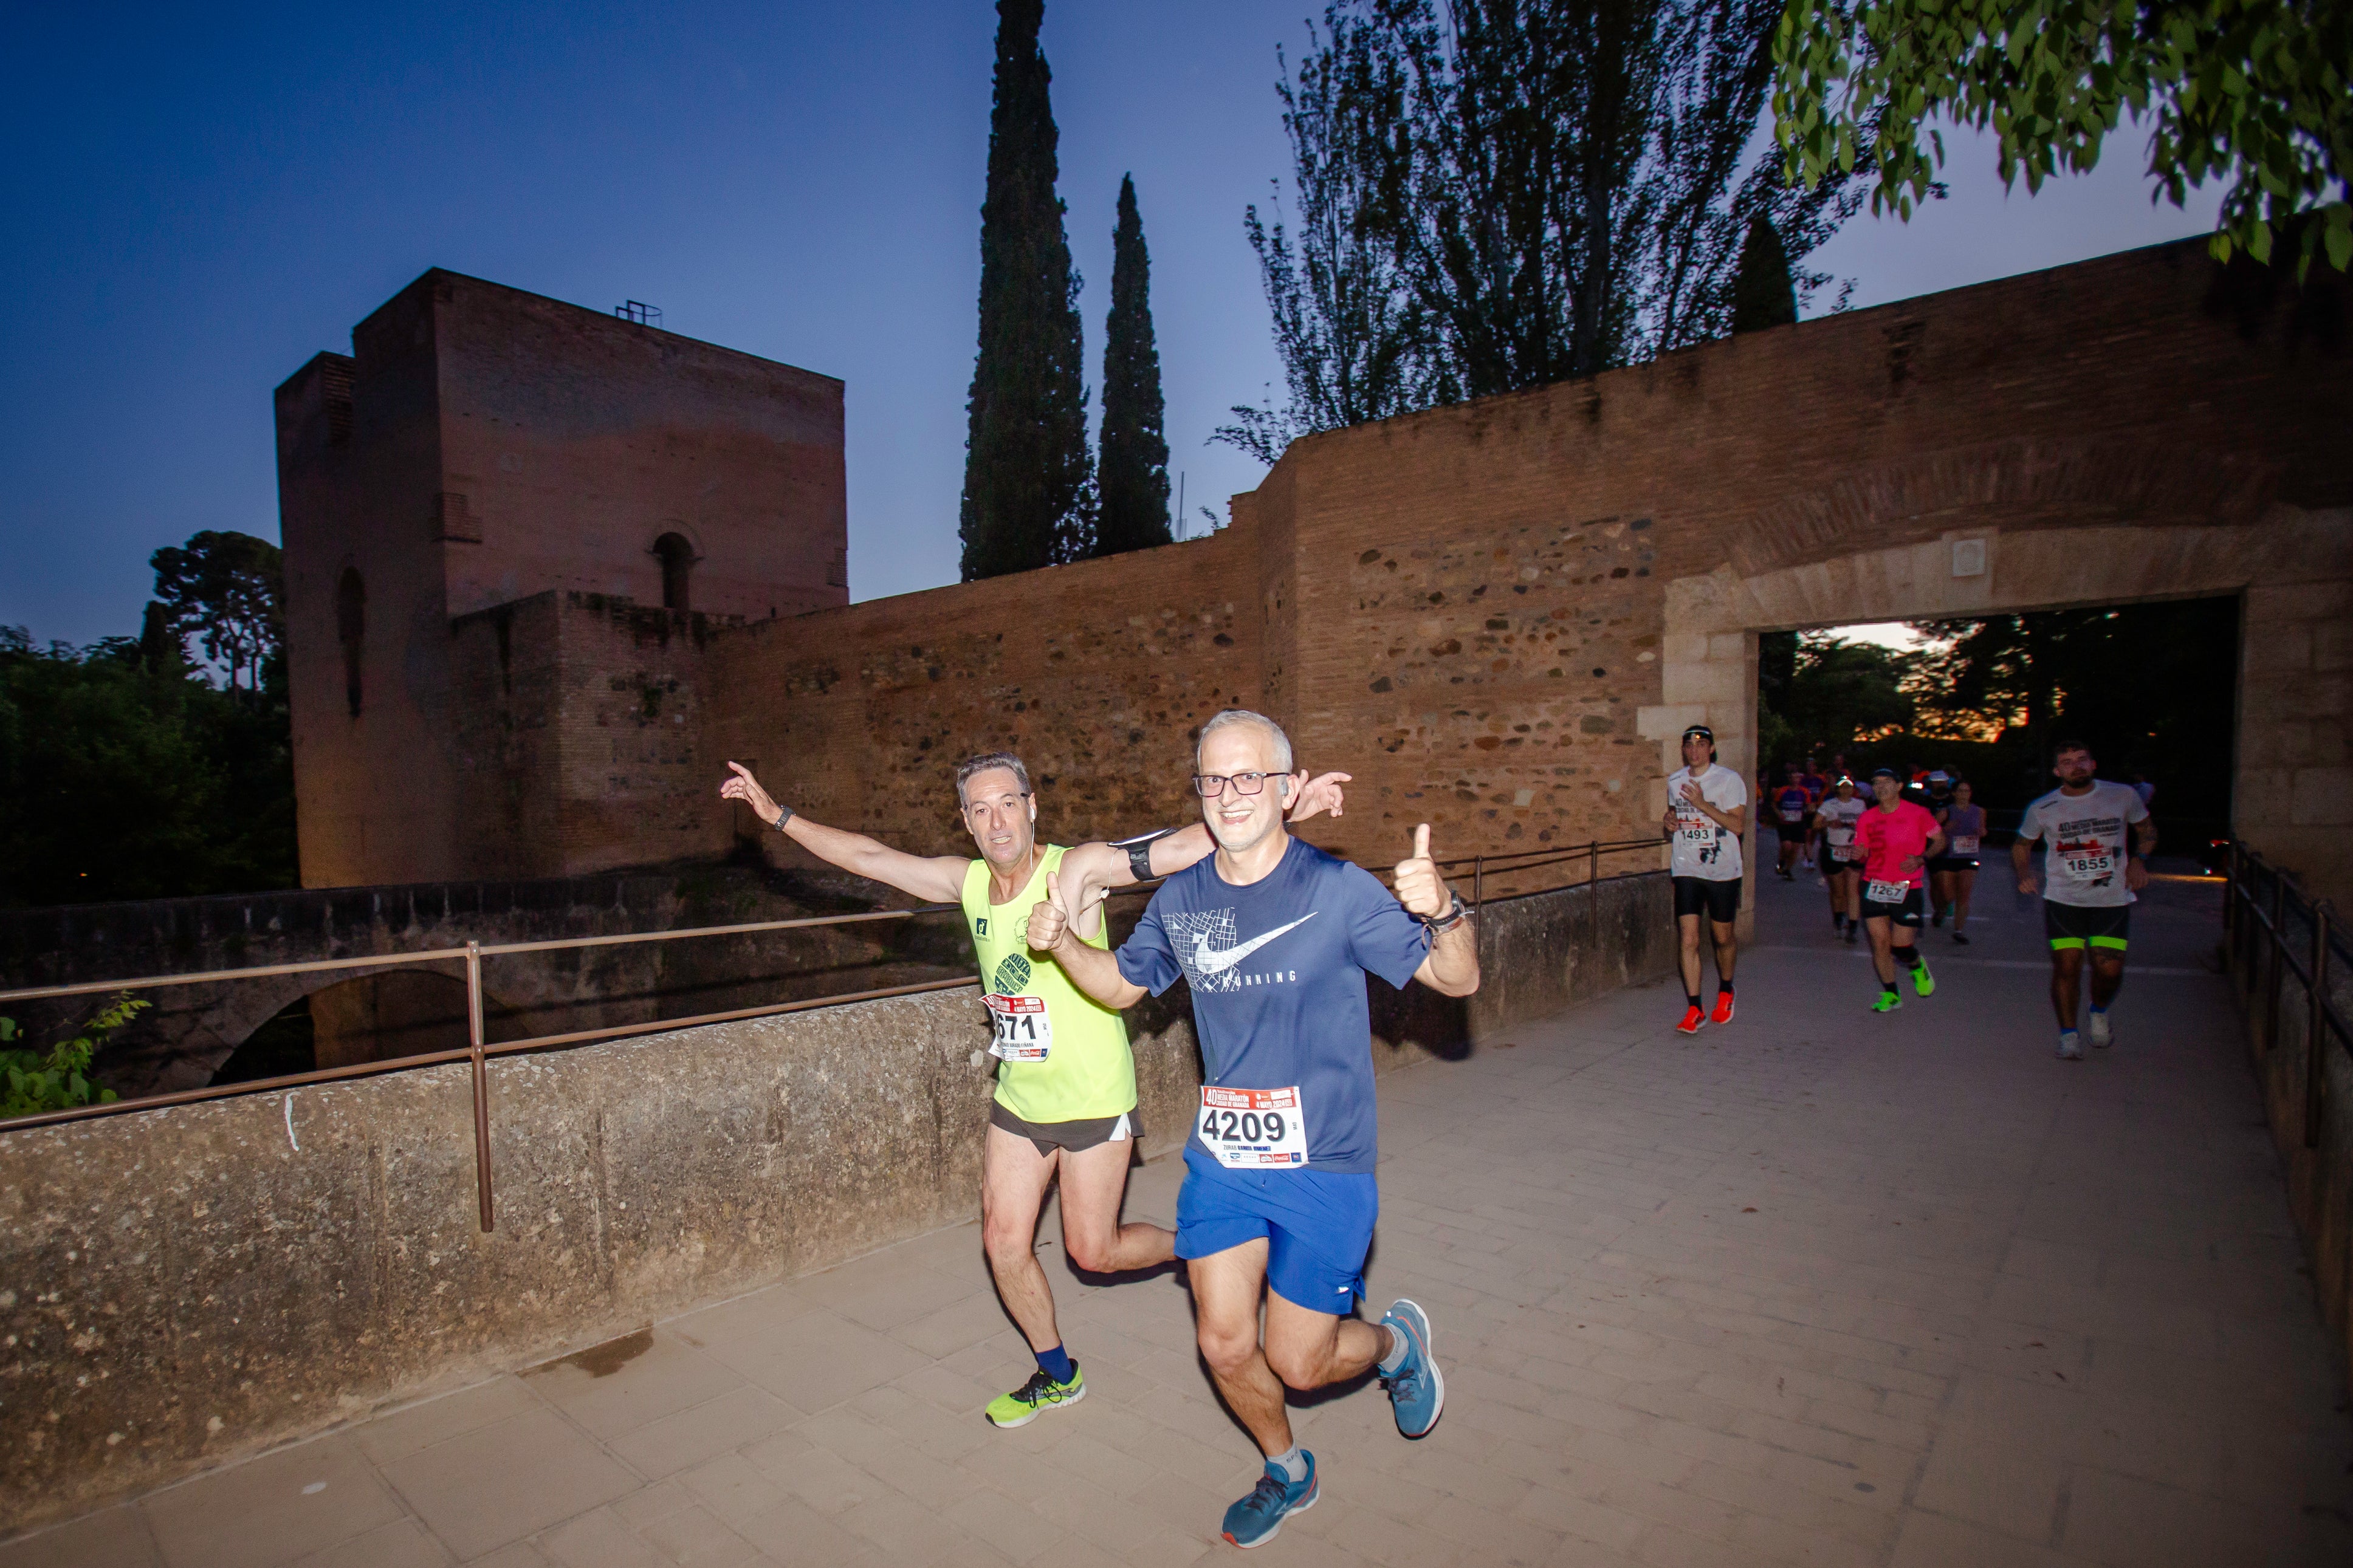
(2018, 537)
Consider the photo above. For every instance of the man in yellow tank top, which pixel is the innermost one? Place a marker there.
(1065, 1079)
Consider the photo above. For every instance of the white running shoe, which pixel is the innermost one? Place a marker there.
(2101, 1034)
(2071, 1047)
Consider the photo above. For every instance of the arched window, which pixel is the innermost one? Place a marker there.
(350, 630)
(677, 554)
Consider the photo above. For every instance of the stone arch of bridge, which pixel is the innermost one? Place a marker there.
(403, 998)
(2017, 531)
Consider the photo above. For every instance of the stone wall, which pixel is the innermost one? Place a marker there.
(181, 1286)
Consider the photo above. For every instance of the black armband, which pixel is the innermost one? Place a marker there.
(1139, 850)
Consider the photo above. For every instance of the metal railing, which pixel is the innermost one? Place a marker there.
(478, 1051)
(2264, 914)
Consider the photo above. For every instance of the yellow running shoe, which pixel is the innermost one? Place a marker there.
(1037, 1396)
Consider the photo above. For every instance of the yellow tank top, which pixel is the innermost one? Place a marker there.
(1083, 1070)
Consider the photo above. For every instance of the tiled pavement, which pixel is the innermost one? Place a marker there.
(1820, 1287)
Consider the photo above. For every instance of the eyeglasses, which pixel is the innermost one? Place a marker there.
(1208, 786)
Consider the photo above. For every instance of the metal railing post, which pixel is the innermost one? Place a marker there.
(1593, 890)
(481, 1080)
(2275, 951)
(1478, 881)
(2315, 1031)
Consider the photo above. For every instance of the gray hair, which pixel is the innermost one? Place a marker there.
(1277, 741)
(984, 762)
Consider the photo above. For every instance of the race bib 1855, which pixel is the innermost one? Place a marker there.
(1254, 1128)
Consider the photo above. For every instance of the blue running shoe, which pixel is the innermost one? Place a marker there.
(1258, 1517)
(1417, 1388)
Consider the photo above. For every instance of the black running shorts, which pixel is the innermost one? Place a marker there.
(1075, 1136)
(1910, 912)
(1719, 900)
(2101, 927)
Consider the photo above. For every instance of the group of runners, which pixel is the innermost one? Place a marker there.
(1907, 858)
(1275, 938)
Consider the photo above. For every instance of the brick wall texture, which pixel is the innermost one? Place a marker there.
(1491, 614)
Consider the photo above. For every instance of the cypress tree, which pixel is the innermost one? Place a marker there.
(1762, 293)
(1132, 473)
(1026, 483)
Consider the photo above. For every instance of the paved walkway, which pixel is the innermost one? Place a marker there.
(1819, 1288)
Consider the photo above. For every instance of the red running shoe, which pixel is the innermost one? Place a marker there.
(1691, 1021)
(1722, 1013)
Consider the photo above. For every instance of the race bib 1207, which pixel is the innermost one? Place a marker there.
(1254, 1128)
(1964, 844)
(1020, 1030)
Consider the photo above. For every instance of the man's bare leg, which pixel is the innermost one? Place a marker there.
(1227, 1289)
(1095, 1181)
(1687, 927)
(1308, 1350)
(1725, 951)
(1014, 1178)
(2066, 984)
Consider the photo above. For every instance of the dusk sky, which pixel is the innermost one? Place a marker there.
(203, 199)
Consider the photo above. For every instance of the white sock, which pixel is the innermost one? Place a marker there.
(1292, 1464)
(1399, 1346)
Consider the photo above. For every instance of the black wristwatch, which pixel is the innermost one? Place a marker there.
(784, 814)
(1454, 916)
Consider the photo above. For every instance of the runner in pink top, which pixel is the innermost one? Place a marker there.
(1897, 839)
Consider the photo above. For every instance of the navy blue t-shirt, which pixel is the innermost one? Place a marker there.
(1278, 971)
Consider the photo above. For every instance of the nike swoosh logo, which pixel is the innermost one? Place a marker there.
(1216, 960)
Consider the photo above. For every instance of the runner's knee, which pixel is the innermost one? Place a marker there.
(1300, 1366)
(1227, 1347)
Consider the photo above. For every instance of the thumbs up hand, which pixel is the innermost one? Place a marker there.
(1418, 885)
(1049, 917)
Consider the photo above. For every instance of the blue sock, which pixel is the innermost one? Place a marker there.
(2097, 1008)
(1056, 1364)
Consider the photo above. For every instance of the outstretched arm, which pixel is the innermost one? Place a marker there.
(935, 879)
(1092, 969)
(1091, 870)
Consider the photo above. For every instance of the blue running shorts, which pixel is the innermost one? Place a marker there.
(1318, 1226)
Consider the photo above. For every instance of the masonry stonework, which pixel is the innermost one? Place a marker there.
(1499, 616)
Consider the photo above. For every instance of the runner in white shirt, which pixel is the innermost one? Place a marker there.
(2089, 882)
(1841, 862)
(1707, 812)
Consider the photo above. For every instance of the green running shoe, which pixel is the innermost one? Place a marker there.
(1888, 1002)
(1922, 981)
(1037, 1396)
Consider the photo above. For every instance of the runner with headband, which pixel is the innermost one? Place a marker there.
(1707, 812)
(1835, 820)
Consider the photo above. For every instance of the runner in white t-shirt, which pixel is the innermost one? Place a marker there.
(1707, 812)
(1841, 862)
(2089, 881)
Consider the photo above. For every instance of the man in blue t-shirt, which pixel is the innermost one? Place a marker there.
(1275, 938)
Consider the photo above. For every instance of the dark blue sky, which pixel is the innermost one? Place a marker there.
(200, 199)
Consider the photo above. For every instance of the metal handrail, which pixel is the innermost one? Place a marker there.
(2247, 926)
(478, 1051)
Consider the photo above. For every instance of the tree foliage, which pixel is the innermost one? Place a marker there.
(127, 773)
(1762, 293)
(1132, 471)
(1026, 484)
(2257, 92)
(225, 591)
(1840, 694)
(1496, 194)
(59, 1079)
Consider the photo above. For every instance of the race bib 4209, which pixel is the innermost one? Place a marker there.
(1020, 1029)
(1254, 1128)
